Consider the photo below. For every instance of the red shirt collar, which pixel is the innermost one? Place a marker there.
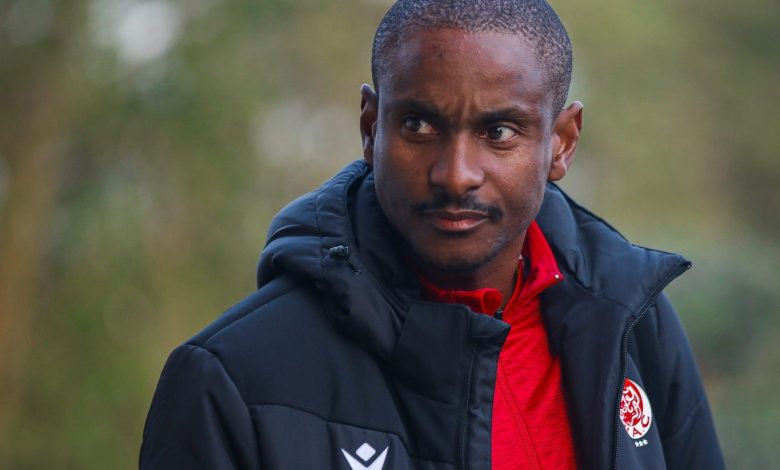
(543, 272)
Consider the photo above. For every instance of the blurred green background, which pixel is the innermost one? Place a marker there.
(145, 145)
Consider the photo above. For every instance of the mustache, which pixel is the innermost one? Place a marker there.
(443, 201)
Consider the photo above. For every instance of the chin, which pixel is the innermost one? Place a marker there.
(455, 264)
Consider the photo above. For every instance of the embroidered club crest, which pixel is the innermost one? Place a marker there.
(635, 411)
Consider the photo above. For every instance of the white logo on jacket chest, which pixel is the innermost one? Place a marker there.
(635, 411)
(365, 452)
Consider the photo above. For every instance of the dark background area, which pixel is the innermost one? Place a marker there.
(145, 145)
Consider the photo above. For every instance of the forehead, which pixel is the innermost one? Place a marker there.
(462, 68)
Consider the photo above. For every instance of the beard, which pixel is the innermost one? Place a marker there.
(458, 265)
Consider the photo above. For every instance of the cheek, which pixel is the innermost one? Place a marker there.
(524, 186)
(397, 169)
(391, 185)
(541, 169)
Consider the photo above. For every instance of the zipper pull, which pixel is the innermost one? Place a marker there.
(341, 253)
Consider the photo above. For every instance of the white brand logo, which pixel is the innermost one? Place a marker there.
(365, 452)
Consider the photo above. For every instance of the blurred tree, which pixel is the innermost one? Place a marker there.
(38, 103)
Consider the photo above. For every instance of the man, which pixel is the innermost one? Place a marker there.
(442, 304)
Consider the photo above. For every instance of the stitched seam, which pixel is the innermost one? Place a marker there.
(599, 296)
(403, 442)
(222, 366)
(219, 362)
(694, 411)
(573, 203)
(246, 314)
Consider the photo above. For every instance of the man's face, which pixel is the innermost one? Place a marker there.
(461, 143)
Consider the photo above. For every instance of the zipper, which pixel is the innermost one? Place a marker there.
(645, 307)
(464, 431)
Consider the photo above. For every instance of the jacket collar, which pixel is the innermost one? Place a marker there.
(371, 294)
(599, 262)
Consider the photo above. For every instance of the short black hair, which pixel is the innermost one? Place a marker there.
(535, 20)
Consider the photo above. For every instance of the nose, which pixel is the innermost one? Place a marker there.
(457, 168)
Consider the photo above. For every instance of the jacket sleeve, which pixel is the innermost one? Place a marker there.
(688, 435)
(197, 419)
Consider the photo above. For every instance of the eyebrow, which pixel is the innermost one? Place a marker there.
(418, 106)
(506, 114)
(513, 114)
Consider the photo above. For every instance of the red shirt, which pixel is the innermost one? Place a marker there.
(530, 425)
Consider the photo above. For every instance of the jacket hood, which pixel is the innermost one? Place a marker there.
(318, 239)
(364, 278)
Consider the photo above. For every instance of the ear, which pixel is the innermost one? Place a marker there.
(566, 134)
(369, 105)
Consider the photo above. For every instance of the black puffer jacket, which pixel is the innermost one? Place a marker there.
(333, 364)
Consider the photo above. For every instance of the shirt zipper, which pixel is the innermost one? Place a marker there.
(645, 307)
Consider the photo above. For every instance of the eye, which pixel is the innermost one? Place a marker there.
(418, 126)
(498, 133)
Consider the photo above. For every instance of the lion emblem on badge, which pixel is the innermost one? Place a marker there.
(635, 411)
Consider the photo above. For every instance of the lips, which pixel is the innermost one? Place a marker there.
(458, 221)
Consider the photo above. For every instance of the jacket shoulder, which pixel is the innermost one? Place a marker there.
(283, 290)
(661, 352)
(279, 346)
(193, 390)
